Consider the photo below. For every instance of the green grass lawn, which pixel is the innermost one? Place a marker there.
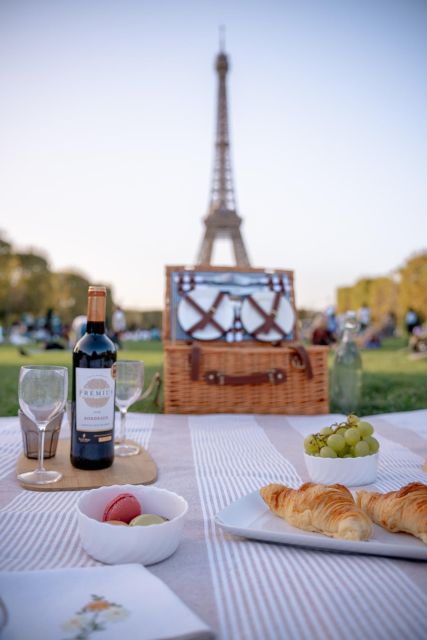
(391, 380)
(11, 360)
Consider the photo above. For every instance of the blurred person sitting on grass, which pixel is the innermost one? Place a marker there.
(418, 340)
(118, 323)
(320, 331)
(78, 329)
(411, 320)
(364, 317)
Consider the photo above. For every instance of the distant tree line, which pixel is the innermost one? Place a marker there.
(143, 319)
(406, 288)
(27, 285)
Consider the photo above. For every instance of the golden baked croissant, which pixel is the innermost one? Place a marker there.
(403, 510)
(327, 509)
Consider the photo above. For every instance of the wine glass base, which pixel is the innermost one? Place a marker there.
(123, 449)
(40, 477)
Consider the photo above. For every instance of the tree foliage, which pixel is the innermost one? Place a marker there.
(143, 319)
(413, 285)
(27, 285)
(407, 287)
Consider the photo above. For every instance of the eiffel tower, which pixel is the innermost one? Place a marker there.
(222, 220)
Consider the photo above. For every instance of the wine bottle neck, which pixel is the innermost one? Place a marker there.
(96, 304)
(95, 326)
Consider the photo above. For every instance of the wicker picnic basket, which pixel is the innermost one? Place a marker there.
(216, 376)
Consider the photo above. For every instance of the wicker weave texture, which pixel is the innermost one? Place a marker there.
(298, 395)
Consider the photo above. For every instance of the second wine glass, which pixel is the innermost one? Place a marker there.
(129, 386)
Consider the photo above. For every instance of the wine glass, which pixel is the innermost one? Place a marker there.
(129, 385)
(43, 392)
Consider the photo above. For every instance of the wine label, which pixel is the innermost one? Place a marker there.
(95, 390)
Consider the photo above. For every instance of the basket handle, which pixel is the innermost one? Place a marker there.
(156, 383)
(299, 360)
(273, 376)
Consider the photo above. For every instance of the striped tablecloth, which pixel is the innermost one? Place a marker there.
(241, 588)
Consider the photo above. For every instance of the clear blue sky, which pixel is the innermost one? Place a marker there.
(107, 113)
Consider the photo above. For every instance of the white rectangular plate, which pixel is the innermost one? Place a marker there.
(250, 517)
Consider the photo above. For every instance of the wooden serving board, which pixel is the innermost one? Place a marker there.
(139, 469)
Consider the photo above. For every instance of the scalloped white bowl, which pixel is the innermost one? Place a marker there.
(348, 471)
(116, 545)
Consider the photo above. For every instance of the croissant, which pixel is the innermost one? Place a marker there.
(403, 510)
(327, 509)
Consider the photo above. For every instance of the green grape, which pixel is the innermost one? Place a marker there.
(349, 439)
(336, 442)
(311, 445)
(326, 431)
(347, 449)
(365, 428)
(361, 448)
(373, 443)
(327, 452)
(352, 436)
(320, 442)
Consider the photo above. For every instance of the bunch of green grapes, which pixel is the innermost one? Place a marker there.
(350, 439)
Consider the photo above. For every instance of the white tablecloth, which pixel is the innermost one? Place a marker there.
(241, 588)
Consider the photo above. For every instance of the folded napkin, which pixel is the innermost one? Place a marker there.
(96, 603)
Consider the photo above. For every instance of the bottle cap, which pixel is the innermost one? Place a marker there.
(97, 290)
(97, 297)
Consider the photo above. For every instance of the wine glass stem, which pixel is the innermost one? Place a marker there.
(123, 425)
(42, 432)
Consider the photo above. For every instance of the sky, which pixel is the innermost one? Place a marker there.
(107, 127)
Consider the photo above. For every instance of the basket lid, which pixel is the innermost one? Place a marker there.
(230, 304)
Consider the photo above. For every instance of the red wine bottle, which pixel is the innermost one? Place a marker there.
(92, 428)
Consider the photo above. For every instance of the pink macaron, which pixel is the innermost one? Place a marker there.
(123, 507)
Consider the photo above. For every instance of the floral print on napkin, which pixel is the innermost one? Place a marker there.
(94, 616)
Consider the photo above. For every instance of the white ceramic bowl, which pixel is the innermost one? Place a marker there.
(348, 471)
(117, 545)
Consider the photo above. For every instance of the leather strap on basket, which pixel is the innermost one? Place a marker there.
(269, 318)
(301, 360)
(195, 358)
(273, 376)
(207, 317)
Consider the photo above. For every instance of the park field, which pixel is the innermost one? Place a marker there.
(392, 381)
(11, 361)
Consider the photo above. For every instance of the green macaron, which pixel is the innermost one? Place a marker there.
(145, 519)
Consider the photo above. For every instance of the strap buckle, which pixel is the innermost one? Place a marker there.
(215, 377)
(276, 376)
(297, 363)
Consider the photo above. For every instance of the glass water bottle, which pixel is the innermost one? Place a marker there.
(346, 381)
